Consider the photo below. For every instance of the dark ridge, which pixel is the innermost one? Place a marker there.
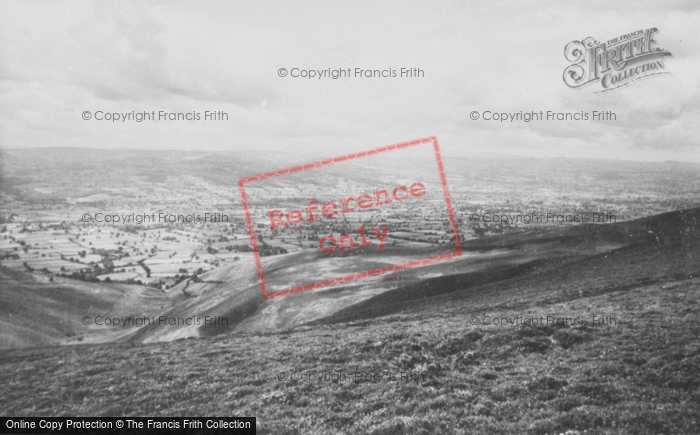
(393, 301)
(644, 237)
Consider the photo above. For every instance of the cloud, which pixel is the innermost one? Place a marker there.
(62, 58)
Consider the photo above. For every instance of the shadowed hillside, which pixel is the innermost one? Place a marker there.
(41, 313)
(38, 312)
(677, 232)
(611, 347)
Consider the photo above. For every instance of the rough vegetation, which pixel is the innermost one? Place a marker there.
(636, 374)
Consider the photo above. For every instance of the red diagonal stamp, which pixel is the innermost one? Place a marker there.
(350, 217)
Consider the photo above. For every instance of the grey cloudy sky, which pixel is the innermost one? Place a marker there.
(61, 58)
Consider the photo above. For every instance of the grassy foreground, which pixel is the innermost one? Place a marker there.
(636, 375)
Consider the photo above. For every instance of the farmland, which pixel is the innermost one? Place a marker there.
(196, 222)
(106, 312)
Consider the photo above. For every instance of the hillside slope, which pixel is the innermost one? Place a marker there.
(228, 299)
(562, 252)
(36, 312)
(443, 365)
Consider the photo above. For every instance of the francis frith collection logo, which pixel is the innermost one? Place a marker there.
(615, 63)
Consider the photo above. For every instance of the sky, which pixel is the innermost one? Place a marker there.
(60, 59)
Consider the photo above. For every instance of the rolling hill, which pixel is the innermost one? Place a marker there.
(599, 335)
(42, 313)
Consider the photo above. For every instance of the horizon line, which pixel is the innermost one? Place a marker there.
(466, 155)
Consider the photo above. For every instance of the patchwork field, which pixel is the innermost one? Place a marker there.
(441, 348)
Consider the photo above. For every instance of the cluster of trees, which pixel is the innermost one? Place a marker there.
(194, 277)
(266, 250)
(239, 248)
(146, 269)
(82, 276)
